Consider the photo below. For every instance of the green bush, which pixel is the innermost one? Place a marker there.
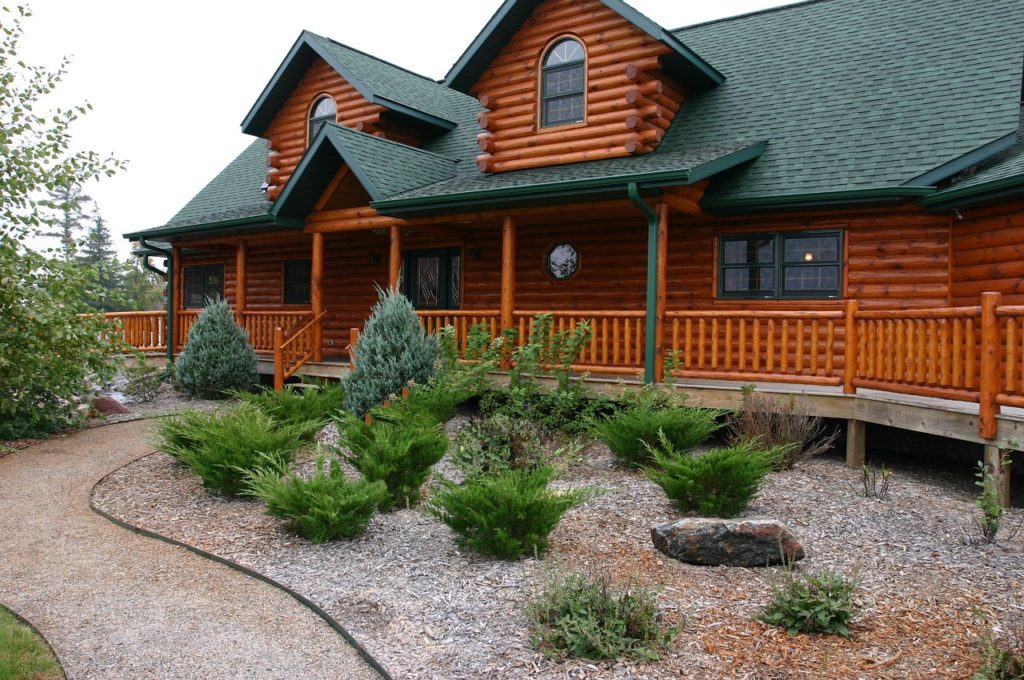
(437, 400)
(585, 617)
(142, 381)
(314, 406)
(497, 443)
(393, 351)
(217, 357)
(321, 508)
(719, 483)
(398, 452)
(222, 448)
(819, 603)
(506, 515)
(774, 421)
(632, 432)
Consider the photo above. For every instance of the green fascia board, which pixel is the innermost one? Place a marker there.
(292, 69)
(979, 155)
(572, 188)
(823, 199)
(241, 224)
(511, 15)
(976, 193)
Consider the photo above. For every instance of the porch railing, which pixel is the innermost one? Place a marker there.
(461, 321)
(144, 331)
(616, 337)
(259, 324)
(292, 351)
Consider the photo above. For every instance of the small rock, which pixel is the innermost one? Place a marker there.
(108, 406)
(734, 543)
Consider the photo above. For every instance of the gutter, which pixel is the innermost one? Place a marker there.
(209, 228)
(824, 199)
(976, 193)
(169, 254)
(650, 341)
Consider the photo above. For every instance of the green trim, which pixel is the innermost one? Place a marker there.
(650, 337)
(436, 121)
(973, 157)
(259, 223)
(815, 200)
(975, 193)
(169, 326)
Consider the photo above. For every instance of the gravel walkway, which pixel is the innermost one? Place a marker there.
(116, 605)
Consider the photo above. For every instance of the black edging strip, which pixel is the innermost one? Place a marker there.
(28, 624)
(302, 599)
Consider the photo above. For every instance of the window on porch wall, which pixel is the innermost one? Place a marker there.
(202, 282)
(783, 265)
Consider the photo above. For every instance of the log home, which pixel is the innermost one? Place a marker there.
(827, 195)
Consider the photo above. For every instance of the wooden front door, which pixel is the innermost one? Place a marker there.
(432, 279)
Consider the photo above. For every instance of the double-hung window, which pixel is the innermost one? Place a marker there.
(562, 84)
(788, 264)
(203, 282)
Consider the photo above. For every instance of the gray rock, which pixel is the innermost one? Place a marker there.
(736, 543)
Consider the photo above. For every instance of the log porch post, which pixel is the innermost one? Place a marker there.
(316, 294)
(175, 300)
(395, 257)
(662, 293)
(508, 282)
(241, 278)
(988, 409)
(850, 347)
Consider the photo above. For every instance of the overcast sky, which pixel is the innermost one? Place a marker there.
(171, 81)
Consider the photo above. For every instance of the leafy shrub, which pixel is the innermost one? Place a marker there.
(876, 481)
(142, 381)
(497, 443)
(393, 351)
(1002, 655)
(217, 357)
(585, 617)
(506, 515)
(321, 508)
(398, 452)
(631, 432)
(222, 448)
(719, 483)
(311, 406)
(437, 400)
(773, 421)
(819, 603)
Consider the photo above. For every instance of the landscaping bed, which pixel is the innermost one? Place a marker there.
(426, 609)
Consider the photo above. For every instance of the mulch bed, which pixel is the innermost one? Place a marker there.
(426, 610)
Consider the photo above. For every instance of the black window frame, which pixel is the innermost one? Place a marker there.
(547, 261)
(317, 122)
(302, 268)
(546, 71)
(189, 272)
(779, 266)
(449, 296)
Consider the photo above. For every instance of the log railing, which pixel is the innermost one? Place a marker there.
(768, 345)
(616, 342)
(292, 351)
(461, 320)
(1011, 331)
(261, 326)
(142, 331)
(184, 319)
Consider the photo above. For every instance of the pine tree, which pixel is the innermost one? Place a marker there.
(217, 356)
(97, 250)
(393, 351)
(67, 206)
(142, 289)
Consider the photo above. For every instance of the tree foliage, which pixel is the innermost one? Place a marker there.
(46, 351)
(217, 357)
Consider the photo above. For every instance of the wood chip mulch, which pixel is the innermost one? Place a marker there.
(427, 610)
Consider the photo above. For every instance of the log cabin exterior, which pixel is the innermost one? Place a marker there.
(829, 193)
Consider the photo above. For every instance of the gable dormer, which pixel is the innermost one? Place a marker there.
(321, 81)
(570, 81)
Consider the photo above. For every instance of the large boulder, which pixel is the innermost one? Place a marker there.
(734, 543)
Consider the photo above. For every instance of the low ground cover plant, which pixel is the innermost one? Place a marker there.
(324, 507)
(816, 603)
(1002, 652)
(217, 357)
(719, 483)
(222, 448)
(497, 443)
(774, 421)
(309, 405)
(399, 452)
(23, 654)
(988, 503)
(507, 515)
(585, 616)
(633, 431)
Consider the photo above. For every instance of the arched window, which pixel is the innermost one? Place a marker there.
(324, 111)
(562, 83)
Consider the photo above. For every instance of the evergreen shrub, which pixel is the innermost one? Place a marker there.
(321, 508)
(222, 448)
(217, 357)
(314, 406)
(393, 351)
(632, 432)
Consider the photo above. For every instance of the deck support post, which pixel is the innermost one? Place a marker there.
(850, 348)
(395, 258)
(316, 294)
(508, 283)
(175, 301)
(241, 279)
(991, 347)
(856, 443)
(998, 465)
(651, 306)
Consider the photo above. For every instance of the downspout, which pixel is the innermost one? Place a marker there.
(650, 341)
(169, 324)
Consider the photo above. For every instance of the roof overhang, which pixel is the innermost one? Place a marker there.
(973, 157)
(609, 186)
(300, 57)
(869, 197)
(682, 62)
(996, 191)
(242, 225)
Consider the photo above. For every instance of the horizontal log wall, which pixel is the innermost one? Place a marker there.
(988, 254)
(630, 102)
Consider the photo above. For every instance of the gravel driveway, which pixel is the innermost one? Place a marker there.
(116, 605)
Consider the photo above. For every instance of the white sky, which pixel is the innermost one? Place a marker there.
(171, 81)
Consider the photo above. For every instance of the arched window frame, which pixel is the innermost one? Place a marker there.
(316, 122)
(545, 72)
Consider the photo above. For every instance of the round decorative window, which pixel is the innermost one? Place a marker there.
(562, 261)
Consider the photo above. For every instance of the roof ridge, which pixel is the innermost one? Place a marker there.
(385, 140)
(378, 59)
(767, 10)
